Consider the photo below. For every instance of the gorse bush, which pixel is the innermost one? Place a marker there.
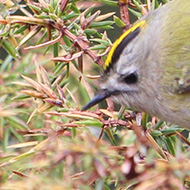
(52, 53)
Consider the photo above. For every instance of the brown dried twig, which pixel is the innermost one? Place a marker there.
(124, 13)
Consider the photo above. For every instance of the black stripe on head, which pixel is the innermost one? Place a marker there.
(119, 49)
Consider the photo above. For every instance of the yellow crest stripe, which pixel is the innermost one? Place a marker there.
(119, 40)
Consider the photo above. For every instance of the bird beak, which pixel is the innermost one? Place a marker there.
(103, 94)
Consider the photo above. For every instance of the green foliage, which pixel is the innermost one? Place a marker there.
(49, 73)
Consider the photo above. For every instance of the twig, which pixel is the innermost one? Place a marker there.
(124, 13)
(63, 4)
(183, 138)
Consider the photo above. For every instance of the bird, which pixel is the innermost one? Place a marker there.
(148, 66)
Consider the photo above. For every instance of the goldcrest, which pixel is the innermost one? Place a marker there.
(148, 66)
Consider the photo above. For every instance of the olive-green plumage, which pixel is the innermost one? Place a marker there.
(152, 71)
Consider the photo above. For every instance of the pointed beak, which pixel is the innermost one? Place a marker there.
(103, 94)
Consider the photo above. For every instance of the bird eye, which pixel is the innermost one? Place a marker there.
(131, 78)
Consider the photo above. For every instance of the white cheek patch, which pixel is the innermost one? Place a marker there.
(126, 62)
(125, 69)
(110, 83)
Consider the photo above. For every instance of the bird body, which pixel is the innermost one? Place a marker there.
(148, 67)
